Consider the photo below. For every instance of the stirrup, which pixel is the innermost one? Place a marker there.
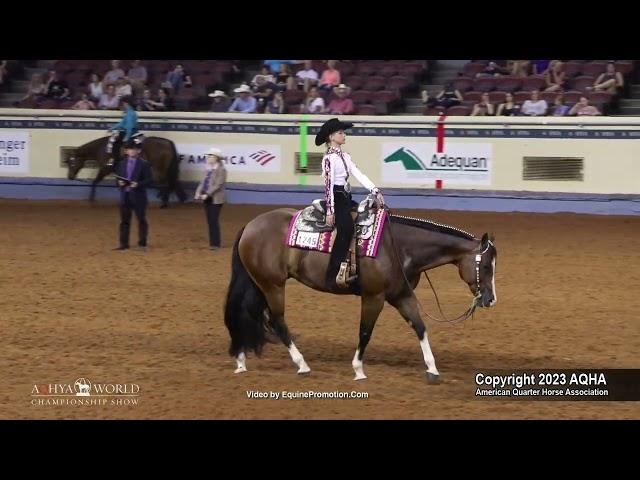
(341, 279)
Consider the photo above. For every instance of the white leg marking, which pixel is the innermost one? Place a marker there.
(357, 366)
(298, 359)
(241, 360)
(428, 355)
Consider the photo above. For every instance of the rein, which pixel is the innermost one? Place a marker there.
(460, 318)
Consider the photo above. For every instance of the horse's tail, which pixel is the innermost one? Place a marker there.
(246, 312)
(173, 172)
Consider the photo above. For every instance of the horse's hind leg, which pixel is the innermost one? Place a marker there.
(408, 308)
(241, 363)
(164, 196)
(275, 299)
(180, 193)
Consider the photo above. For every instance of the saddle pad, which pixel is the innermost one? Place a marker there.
(368, 236)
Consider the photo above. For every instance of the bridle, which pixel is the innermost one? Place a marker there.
(474, 302)
(478, 261)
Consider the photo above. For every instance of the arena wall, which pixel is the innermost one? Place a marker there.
(596, 155)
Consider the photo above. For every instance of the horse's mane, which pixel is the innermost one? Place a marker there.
(87, 147)
(432, 226)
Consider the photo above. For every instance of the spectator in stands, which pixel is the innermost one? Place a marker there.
(342, 105)
(330, 77)
(265, 72)
(263, 92)
(492, 70)
(285, 79)
(582, 108)
(275, 105)
(508, 108)
(609, 81)
(219, 102)
(307, 77)
(96, 88)
(244, 102)
(484, 107)
(137, 76)
(274, 65)
(448, 97)
(114, 74)
(520, 68)
(238, 72)
(57, 89)
(314, 103)
(146, 102)
(559, 109)
(556, 78)
(84, 103)
(37, 88)
(540, 67)
(123, 87)
(535, 106)
(109, 100)
(178, 78)
(165, 101)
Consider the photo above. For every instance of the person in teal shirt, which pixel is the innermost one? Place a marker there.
(124, 130)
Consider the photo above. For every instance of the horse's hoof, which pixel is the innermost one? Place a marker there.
(360, 377)
(304, 370)
(240, 370)
(433, 379)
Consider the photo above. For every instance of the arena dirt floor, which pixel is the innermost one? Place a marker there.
(72, 308)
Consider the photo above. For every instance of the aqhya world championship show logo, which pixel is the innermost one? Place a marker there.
(82, 392)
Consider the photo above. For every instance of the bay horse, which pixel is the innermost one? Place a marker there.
(160, 152)
(262, 262)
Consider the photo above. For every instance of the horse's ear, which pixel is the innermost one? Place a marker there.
(485, 240)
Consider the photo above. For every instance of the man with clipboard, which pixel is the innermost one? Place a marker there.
(133, 175)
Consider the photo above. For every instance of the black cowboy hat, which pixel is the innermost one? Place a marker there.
(329, 127)
(132, 143)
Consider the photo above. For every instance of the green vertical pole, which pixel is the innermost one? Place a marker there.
(303, 150)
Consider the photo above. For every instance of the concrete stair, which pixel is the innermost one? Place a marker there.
(441, 72)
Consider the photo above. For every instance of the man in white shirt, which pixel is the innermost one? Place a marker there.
(307, 77)
(535, 106)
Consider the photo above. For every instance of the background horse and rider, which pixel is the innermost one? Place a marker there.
(160, 152)
(262, 262)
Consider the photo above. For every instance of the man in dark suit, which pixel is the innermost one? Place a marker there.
(134, 176)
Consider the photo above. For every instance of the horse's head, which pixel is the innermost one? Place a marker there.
(478, 269)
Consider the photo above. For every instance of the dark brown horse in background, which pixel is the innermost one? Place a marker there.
(161, 154)
(262, 263)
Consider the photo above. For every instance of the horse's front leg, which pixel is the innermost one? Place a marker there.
(103, 172)
(369, 313)
(408, 308)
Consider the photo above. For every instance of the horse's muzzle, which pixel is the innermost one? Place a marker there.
(486, 300)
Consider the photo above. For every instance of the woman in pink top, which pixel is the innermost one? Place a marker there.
(330, 77)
